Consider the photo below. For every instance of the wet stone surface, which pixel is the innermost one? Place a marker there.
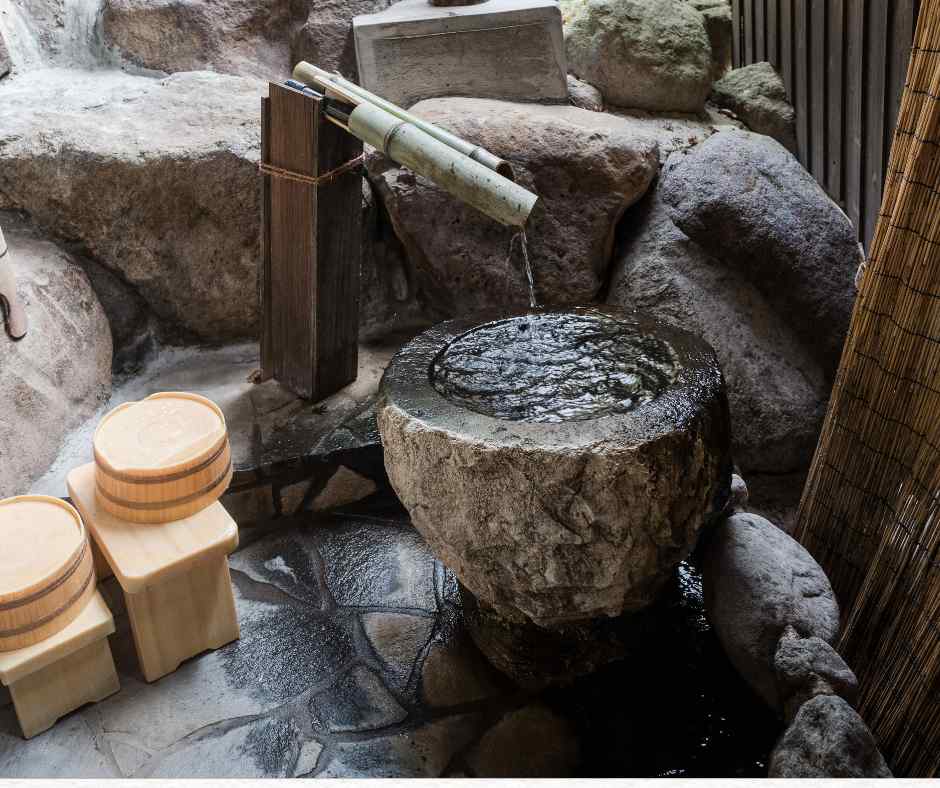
(354, 661)
(553, 367)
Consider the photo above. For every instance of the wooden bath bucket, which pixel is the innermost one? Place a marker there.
(162, 459)
(46, 571)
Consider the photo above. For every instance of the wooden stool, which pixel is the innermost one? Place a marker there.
(174, 575)
(61, 673)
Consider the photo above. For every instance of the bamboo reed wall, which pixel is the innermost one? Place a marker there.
(843, 63)
(871, 509)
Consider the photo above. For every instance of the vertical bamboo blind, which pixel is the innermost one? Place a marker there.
(871, 509)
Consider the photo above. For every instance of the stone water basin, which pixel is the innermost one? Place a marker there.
(561, 463)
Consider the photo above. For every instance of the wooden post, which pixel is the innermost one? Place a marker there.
(311, 247)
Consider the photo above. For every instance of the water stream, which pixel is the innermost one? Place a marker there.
(521, 236)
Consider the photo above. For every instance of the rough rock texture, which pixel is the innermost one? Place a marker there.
(326, 38)
(758, 581)
(583, 95)
(532, 742)
(827, 740)
(6, 62)
(776, 391)
(744, 198)
(156, 179)
(561, 522)
(233, 36)
(587, 167)
(757, 95)
(651, 54)
(717, 15)
(807, 667)
(60, 373)
(389, 301)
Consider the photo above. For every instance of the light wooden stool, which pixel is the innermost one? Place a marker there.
(174, 575)
(61, 673)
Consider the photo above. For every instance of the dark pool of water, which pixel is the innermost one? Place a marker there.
(552, 367)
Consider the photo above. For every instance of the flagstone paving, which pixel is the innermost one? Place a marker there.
(353, 662)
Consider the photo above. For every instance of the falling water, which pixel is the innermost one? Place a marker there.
(521, 236)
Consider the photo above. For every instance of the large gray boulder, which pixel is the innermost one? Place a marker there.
(757, 582)
(776, 390)
(744, 198)
(827, 739)
(6, 62)
(719, 24)
(246, 37)
(325, 36)
(156, 179)
(807, 667)
(60, 373)
(587, 168)
(649, 54)
(757, 95)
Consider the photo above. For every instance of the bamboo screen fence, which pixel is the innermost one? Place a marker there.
(871, 509)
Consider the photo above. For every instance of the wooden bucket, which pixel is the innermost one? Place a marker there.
(162, 459)
(46, 571)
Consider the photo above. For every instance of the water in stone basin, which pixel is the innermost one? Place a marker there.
(554, 366)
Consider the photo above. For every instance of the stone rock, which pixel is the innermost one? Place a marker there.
(777, 392)
(587, 167)
(532, 742)
(423, 752)
(738, 492)
(455, 673)
(343, 488)
(326, 37)
(388, 297)
(717, 15)
(156, 179)
(827, 739)
(807, 667)
(567, 521)
(59, 374)
(758, 581)
(245, 37)
(6, 63)
(585, 96)
(398, 639)
(651, 54)
(745, 199)
(357, 702)
(757, 95)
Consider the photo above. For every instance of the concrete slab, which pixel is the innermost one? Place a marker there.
(508, 49)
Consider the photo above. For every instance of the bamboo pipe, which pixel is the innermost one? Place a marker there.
(343, 88)
(465, 178)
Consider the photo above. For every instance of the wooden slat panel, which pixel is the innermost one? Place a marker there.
(760, 31)
(817, 85)
(736, 54)
(786, 46)
(339, 250)
(854, 86)
(801, 79)
(749, 30)
(773, 34)
(874, 143)
(835, 100)
(899, 54)
(267, 337)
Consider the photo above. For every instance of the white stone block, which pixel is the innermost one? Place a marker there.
(506, 49)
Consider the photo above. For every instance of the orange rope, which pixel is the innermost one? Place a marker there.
(310, 180)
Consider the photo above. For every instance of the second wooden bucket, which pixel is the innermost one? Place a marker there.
(46, 570)
(162, 459)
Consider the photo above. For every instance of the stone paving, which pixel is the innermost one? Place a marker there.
(353, 661)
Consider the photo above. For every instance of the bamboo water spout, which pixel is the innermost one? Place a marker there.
(462, 169)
